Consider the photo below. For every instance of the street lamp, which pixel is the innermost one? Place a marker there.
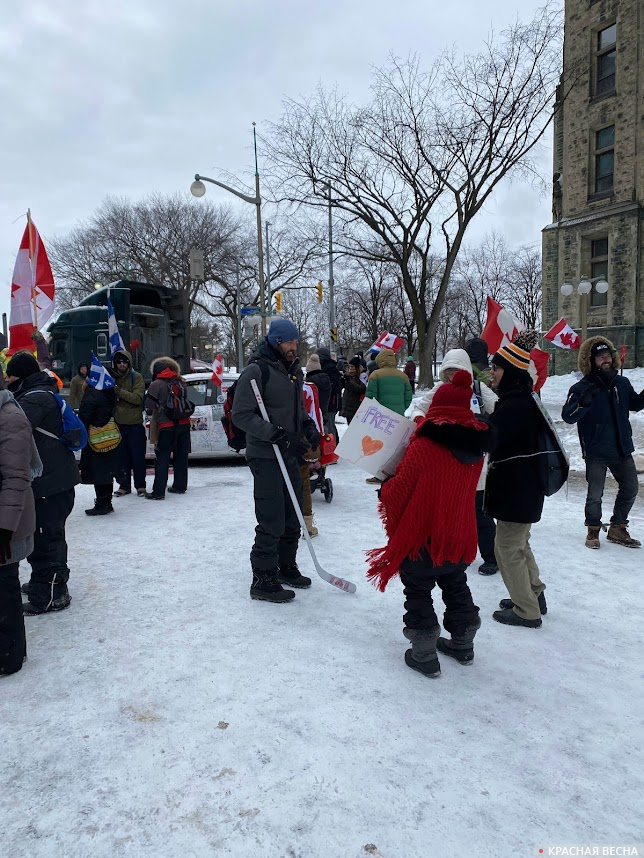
(198, 189)
(332, 342)
(584, 288)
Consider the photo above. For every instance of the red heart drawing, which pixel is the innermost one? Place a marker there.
(371, 446)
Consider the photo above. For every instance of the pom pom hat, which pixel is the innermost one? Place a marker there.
(516, 355)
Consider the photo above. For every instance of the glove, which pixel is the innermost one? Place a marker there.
(5, 545)
(289, 443)
(586, 398)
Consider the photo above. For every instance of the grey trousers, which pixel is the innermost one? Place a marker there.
(518, 567)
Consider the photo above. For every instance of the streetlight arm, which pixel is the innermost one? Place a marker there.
(254, 200)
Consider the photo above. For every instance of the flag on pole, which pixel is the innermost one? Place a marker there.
(116, 342)
(32, 291)
(500, 327)
(217, 371)
(540, 360)
(312, 405)
(387, 341)
(562, 335)
(99, 377)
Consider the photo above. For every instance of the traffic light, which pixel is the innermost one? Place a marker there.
(319, 291)
(334, 335)
(278, 302)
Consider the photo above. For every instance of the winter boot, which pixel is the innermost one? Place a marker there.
(508, 617)
(310, 526)
(460, 647)
(488, 569)
(422, 655)
(60, 599)
(504, 604)
(292, 576)
(25, 588)
(101, 507)
(153, 496)
(618, 534)
(592, 540)
(140, 493)
(266, 587)
(121, 492)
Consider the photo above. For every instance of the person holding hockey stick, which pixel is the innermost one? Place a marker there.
(430, 520)
(276, 370)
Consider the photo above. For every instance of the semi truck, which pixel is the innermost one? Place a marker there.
(152, 320)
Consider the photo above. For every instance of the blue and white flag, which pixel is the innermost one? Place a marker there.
(98, 376)
(116, 343)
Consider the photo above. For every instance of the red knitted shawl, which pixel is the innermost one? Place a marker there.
(429, 503)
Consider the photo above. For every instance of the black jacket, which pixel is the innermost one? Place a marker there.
(60, 471)
(513, 488)
(330, 367)
(602, 421)
(323, 383)
(354, 393)
(96, 409)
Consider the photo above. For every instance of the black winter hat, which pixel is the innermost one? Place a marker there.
(355, 361)
(477, 351)
(597, 349)
(22, 364)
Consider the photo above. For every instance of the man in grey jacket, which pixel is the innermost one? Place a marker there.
(275, 367)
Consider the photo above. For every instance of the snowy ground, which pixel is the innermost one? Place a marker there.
(166, 714)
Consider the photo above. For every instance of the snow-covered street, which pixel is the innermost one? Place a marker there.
(167, 714)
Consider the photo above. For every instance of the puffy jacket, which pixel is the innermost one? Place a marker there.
(17, 510)
(130, 393)
(388, 385)
(165, 371)
(321, 380)
(60, 471)
(282, 395)
(330, 367)
(602, 420)
(354, 392)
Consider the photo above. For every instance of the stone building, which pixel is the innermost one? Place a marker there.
(598, 183)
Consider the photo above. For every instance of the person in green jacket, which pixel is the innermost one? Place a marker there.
(76, 386)
(388, 385)
(130, 393)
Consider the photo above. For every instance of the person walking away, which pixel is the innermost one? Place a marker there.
(513, 491)
(98, 469)
(53, 491)
(276, 370)
(600, 404)
(168, 406)
(330, 367)
(410, 372)
(428, 510)
(130, 392)
(316, 375)
(389, 385)
(483, 402)
(19, 461)
(76, 386)
(354, 390)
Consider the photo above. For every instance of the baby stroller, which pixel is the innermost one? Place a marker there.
(317, 469)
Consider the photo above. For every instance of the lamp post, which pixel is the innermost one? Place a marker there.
(268, 267)
(332, 342)
(584, 288)
(198, 189)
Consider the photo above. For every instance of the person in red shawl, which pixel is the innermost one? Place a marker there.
(428, 512)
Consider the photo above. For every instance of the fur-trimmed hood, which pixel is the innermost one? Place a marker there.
(161, 363)
(584, 353)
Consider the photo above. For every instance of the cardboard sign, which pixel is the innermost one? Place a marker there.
(376, 439)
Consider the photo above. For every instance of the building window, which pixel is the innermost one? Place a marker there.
(604, 159)
(605, 64)
(101, 345)
(598, 270)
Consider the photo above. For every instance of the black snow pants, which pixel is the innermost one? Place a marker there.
(174, 441)
(131, 457)
(48, 560)
(13, 643)
(486, 529)
(419, 577)
(278, 529)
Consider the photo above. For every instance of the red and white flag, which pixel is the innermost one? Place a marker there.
(562, 335)
(540, 360)
(217, 371)
(32, 291)
(500, 327)
(312, 405)
(387, 341)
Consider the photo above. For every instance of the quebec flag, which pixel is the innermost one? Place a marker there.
(116, 343)
(99, 377)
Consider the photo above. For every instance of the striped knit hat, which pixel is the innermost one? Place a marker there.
(516, 355)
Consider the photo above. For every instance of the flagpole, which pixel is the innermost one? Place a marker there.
(31, 268)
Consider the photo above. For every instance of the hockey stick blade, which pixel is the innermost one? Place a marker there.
(340, 583)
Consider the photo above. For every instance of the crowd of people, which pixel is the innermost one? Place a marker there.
(468, 480)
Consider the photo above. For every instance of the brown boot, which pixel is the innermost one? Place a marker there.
(618, 534)
(310, 525)
(592, 540)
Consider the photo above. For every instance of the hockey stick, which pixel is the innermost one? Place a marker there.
(347, 586)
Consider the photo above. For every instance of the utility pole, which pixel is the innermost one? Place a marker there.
(240, 342)
(268, 269)
(332, 343)
(260, 250)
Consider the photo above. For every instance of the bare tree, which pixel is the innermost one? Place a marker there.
(524, 286)
(414, 167)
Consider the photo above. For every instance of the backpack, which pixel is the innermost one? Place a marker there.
(552, 460)
(236, 436)
(74, 434)
(177, 405)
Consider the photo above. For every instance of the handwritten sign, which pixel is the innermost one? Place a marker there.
(376, 439)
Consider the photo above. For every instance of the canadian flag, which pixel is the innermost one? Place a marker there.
(540, 360)
(562, 335)
(217, 371)
(500, 327)
(32, 291)
(387, 341)
(312, 405)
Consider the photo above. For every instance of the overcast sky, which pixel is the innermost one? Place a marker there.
(126, 97)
